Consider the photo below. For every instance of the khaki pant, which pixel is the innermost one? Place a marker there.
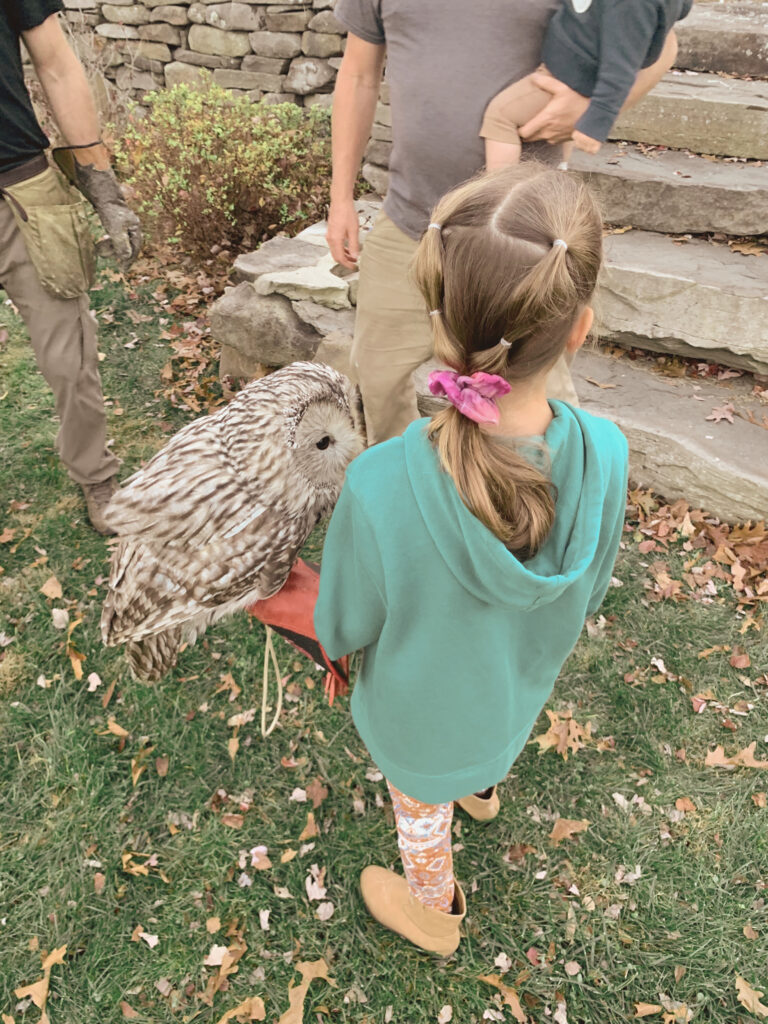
(393, 335)
(63, 336)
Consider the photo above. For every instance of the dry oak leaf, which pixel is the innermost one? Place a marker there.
(127, 1010)
(685, 804)
(52, 588)
(251, 1009)
(566, 828)
(722, 412)
(297, 993)
(749, 932)
(760, 799)
(744, 758)
(508, 994)
(750, 997)
(564, 734)
(646, 1009)
(212, 925)
(310, 829)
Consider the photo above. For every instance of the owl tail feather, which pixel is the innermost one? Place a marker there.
(149, 659)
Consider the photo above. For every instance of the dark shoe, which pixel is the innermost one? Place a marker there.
(97, 497)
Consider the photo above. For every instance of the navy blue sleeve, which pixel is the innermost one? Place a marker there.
(626, 32)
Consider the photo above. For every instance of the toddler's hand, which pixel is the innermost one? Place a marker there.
(585, 143)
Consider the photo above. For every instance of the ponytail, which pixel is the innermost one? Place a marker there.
(511, 257)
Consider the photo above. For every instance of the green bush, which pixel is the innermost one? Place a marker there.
(208, 169)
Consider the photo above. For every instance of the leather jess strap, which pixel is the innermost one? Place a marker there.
(29, 169)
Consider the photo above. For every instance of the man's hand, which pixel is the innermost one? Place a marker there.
(556, 121)
(343, 234)
(101, 189)
(585, 143)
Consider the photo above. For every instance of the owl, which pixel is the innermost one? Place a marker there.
(216, 519)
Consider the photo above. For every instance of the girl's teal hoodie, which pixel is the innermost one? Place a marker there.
(462, 642)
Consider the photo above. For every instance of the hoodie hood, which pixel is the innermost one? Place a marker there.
(476, 557)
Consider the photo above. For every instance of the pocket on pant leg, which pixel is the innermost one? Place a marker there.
(56, 234)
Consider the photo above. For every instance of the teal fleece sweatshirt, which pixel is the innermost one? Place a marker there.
(462, 642)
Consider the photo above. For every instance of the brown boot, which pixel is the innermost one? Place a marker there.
(97, 497)
(481, 806)
(389, 901)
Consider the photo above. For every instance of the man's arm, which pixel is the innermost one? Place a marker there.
(69, 96)
(354, 106)
(556, 121)
(66, 88)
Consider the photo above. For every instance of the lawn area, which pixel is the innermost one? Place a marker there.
(126, 828)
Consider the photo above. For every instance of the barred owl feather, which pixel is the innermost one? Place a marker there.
(217, 518)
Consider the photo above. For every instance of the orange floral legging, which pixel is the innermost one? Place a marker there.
(424, 840)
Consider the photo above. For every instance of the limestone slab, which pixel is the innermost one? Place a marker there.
(207, 39)
(377, 178)
(228, 17)
(205, 60)
(245, 80)
(265, 65)
(109, 31)
(174, 14)
(326, 21)
(263, 328)
(159, 32)
(720, 467)
(134, 14)
(181, 73)
(317, 283)
(731, 38)
(701, 112)
(321, 44)
(276, 44)
(287, 21)
(276, 254)
(668, 190)
(309, 74)
(325, 321)
(694, 299)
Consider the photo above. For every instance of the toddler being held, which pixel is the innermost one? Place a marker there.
(612, 52)
(463, 557)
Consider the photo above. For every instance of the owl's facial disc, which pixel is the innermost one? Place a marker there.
(326, 441)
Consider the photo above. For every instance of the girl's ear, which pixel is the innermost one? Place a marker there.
(580, 329)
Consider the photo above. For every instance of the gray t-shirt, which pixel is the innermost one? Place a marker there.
(446, 59)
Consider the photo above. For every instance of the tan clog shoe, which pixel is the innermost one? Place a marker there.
(481, 807)
(389, 901)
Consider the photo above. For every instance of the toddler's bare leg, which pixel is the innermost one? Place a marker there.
(648, 78)
(508, 110)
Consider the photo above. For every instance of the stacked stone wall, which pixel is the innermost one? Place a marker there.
(277, 53)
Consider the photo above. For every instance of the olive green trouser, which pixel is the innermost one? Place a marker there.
(63, 336)
(393, 335)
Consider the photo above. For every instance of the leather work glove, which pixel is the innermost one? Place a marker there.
(101, 189)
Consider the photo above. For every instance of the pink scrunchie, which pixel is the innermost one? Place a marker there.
(473, 396)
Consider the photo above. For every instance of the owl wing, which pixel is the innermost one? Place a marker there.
(155, 586)
(190, 492)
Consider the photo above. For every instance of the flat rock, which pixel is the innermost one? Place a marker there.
(205, 60)
(180, 73)
(309, 74)
(675, 192)
(705, 113)
(317, 283)
(695, 299)
(336, 350)
(207, 39)
(731, 38)
(277, 254)
(135, 14)
(263, 328)
(719, 467)
(325, 321)
(276, 44)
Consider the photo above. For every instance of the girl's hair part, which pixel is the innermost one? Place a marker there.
(511, 256)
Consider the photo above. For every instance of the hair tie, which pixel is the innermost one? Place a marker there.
(437, 227)
(434, 312)
(559, 241)
(472, 396)
(504, 343)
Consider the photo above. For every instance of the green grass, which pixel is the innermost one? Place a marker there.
(68, 808)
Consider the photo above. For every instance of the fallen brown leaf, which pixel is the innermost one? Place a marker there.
(297, 993)
(750, 933)
(750, 997)
(52, 588)
(251, 1009)
(509, 996)
(646, 1009)
(744, 758)
(564, 734)
(310, 829)
(566, 828)
(128, 1011)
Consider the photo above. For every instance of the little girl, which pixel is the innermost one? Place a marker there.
(614, 51)
(464, 556)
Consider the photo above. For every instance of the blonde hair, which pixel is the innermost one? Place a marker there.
(489, 270)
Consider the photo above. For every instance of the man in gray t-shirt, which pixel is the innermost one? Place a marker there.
(445, 60)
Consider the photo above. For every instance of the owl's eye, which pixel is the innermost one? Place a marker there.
(323, 443)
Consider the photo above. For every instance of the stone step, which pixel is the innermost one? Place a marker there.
(730, 37)
(720, 467)
(671, 191)
(673, 448)
(694, 299)
(701, 112)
